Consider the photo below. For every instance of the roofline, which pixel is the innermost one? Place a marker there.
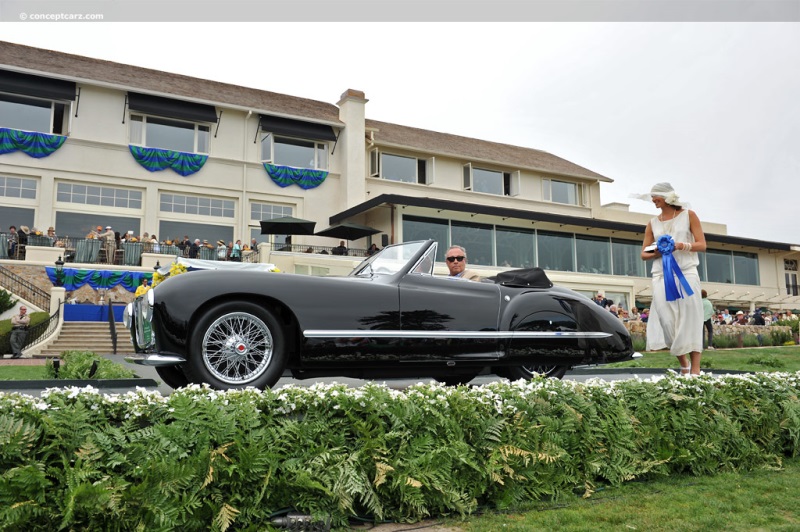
(585, 178)
(128, 87)
(505, 212)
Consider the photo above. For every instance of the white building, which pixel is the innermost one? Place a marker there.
(85, 142)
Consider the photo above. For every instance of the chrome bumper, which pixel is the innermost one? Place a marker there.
(154, 360)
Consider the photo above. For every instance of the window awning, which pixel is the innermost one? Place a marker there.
(296, 128)
(167, 107)
(36, 86)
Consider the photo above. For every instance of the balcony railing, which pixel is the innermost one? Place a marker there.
(322, 250)
(97, 251)
(22, 288)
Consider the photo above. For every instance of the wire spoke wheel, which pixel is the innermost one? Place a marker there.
(551, 370)
(237, 348)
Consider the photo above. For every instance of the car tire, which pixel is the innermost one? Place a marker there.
(529, 372)
(173, 376)
(235, 345)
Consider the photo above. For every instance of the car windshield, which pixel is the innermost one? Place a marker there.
(389, 260)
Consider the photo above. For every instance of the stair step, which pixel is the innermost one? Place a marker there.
(88, 336)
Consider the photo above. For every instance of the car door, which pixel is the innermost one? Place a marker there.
(447, 318)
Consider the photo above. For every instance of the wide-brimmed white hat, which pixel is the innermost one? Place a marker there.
(663, 190)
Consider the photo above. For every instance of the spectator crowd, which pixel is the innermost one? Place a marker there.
(719, 316)
(19, 238)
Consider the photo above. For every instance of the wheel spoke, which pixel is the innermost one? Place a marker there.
(237, 348)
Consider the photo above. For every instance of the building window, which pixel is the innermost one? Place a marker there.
(627, 258)
(563, 192)
(488, 181)
(555, 251)
(719, 267)
(197, 205)
(167, 134)
(593, 254)
(420, 228)
(96, 195)
(80, 224)
(297, 153)
(268, 211)
(730, 268)
(515, 247)
(401, 168)
(477, 239)
(745, 268)
(790, 267)
(33, 114)
(174, 230)
(17, 187)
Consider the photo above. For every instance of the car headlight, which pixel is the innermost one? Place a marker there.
(127, 316)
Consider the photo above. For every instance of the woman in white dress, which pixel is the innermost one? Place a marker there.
(676, 324)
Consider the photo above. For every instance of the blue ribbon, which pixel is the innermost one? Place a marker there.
(666, 245)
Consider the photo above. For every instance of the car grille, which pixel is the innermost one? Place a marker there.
(142, 327)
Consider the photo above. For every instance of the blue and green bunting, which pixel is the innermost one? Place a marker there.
(302, 177)
(155, 159)
(74, 279)
(36, 145)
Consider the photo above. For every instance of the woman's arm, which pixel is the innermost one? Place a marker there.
(696, 229)
(649, 240)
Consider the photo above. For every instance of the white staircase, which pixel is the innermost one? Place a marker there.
(88, 336)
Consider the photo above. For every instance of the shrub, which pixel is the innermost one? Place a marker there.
(7, 301)
(794, 324)
(726, 341)
(750, 340)
(639, 342)
(201, 459)
(780, 337)
(769, 361)
(78, 365)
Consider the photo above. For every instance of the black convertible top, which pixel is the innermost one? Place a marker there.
(527, 278)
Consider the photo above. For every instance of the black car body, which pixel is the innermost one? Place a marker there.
(391, 317)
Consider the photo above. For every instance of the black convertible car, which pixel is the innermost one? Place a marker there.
(391, 317)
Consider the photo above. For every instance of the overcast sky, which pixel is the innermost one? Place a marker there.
(713, 108)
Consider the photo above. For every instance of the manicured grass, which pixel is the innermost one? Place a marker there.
(753, 359)
(756, 500)
(23, 373)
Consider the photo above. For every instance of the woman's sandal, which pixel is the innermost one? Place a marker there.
(686, 371)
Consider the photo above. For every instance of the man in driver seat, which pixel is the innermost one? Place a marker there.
(456, 258)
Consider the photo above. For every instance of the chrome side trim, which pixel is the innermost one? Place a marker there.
(357, 333)
(155, 360)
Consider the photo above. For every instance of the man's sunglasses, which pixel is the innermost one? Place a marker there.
(453, 259)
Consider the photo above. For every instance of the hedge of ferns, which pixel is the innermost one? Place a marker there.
(199, 459)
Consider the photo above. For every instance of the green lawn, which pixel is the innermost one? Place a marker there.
(748, 501)
(22, 373)
(751, 359)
